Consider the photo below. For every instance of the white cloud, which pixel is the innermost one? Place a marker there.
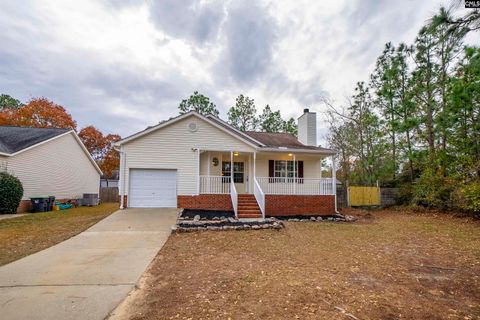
(123, 65)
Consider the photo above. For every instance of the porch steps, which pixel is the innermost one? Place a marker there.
(248, 207)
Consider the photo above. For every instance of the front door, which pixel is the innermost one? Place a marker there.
(239, 174)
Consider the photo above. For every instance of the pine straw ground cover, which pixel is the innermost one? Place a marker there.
(388, 265)
(22, 236)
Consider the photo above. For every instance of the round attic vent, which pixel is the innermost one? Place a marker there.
(192, 127)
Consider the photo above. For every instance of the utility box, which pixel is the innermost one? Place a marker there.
(90, 199)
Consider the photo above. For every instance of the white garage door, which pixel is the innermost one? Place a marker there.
(153, 188)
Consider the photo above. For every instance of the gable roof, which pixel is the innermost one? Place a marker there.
(264, 141)
(209, 119)
(14, 140)
(283, 140)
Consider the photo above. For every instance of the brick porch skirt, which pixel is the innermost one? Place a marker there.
(275, 205)
(221, 202)
(298, 205)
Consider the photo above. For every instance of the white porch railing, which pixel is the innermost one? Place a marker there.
(259, 196)
(214, 184)
(234, 196)
(296, 186)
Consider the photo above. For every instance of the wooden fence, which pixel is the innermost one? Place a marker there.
(387, 197)
(109, 194)
(363, 196)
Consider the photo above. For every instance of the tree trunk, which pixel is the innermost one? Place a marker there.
(410, 160)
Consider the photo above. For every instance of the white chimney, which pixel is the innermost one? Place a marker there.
(307, 128)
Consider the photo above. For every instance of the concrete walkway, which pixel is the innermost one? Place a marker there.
(86, 276)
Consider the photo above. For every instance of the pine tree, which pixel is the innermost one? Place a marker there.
(199, 103)
(271, 121)
(243, 115)
(383, 81)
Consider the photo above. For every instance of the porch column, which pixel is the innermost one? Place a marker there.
(334, 181)
(322, 188)
(321, 167)
(249, 176)
(208, 173)
(198, 171)
(254, 165)
(231, 167)
(294, 175)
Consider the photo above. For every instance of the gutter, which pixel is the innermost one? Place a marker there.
(293, 150)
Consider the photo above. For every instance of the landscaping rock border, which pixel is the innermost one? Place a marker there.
(224, 224)
(332, 218)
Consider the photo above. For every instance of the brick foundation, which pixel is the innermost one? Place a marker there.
(297, 205)
(275, 205)
(221, 202)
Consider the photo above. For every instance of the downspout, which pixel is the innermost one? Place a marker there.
(334, 182)
(123, 159)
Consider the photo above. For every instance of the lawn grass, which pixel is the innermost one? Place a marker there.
(388, 265)
(22, 236)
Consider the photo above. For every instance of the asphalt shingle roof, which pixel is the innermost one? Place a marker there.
(281, 139)
(14, 139)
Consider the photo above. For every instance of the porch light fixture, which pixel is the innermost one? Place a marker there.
(290, 154)
(236, 154)
(215, 161)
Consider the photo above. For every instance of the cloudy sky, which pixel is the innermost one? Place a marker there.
(123, 65)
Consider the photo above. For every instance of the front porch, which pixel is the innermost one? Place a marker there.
(281, 183)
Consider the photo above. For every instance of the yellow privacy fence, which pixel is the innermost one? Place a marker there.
(363, 196)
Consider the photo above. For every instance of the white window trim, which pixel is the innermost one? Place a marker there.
(294, 170)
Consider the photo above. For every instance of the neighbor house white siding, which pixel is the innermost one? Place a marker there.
(172, 147)
(58, 167)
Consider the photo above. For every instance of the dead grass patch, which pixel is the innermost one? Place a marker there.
(22, 236)
(389, 265)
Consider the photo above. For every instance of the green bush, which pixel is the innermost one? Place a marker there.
(467, 197)
(404, 194)
(11, 193)
(432, 190)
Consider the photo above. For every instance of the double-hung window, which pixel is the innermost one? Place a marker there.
(285, 169)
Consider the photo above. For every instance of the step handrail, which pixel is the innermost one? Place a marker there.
(259, 196)
(234, 197)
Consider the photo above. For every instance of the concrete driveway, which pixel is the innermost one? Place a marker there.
(86, 276)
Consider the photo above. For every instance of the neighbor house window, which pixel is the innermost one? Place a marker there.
(238, 171)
